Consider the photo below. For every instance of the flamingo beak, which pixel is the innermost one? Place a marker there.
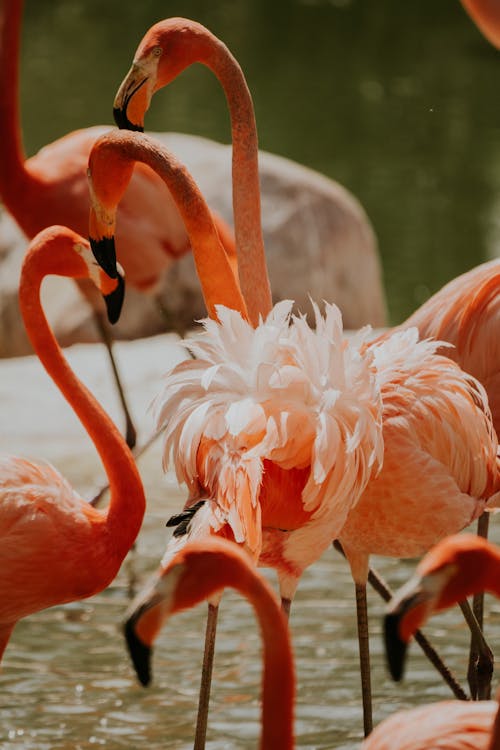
(122, 121)
(114, 300)
(140, 652)
(404, 614)
(105, 254)
(130, 87)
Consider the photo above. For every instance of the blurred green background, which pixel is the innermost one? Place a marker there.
(398, 101)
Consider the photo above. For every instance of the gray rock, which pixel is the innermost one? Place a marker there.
(319, 245)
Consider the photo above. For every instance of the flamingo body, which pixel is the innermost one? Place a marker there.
(41, 513)
(466, 313)
(440, 457)
(447, 725)
(275, 427)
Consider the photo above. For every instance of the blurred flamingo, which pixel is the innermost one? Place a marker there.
(51, 188)
(195, 574)
(450, 725)
(486, 16)
(55, 546)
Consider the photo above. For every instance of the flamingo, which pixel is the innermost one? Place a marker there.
(457, 567)
(285, 375)
(251, 419)
(158, 60)
(450, 725)
(51, 188)
(195, 574)
(166, 50)
(204, 567)
(55, 546)
(275, 427)
(452, 570)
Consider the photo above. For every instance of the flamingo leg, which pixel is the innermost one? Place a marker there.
(206, 678)
(130, 431)
(364, 656)
(480, 669)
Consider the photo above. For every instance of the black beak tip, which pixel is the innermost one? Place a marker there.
(123, 122)
(105, 254)
(139, 653)
(114, 301)
(395, 647)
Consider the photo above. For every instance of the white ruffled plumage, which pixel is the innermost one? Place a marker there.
(282, 392)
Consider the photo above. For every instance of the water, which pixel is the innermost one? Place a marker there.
(66, 681)
(397, 101)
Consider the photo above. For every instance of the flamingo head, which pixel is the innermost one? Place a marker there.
(196, 573)
(166, 50)
(449, 573)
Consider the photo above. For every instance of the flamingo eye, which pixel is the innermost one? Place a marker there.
(157, 51)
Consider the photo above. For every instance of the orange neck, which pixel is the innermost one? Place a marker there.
(210, 51)
(234, 569)
(279, 679)
(127, 504)
(13, 174)
(111, 162)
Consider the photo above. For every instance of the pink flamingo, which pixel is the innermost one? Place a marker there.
(51, 188)
(273, 427)
(454, 725)
(466, 314)
(454, 569)
(55, 546)
(194, 575)
(266, 433)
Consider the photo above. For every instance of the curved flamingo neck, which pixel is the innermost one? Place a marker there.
(13, 174)
(207, 49)
(279, 680)
(111, 164)
(278, 689)
(123, 518)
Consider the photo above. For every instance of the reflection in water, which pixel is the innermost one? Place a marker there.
(398, 101)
